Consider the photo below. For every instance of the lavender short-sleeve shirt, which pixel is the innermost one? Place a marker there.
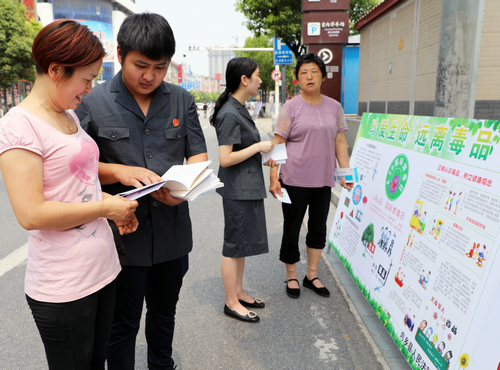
(310, 131)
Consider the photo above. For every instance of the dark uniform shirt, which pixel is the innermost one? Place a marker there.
(245, 180)
(168, 134)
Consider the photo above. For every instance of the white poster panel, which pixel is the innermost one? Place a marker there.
(419, 234)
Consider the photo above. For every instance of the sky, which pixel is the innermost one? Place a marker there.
(202, 23)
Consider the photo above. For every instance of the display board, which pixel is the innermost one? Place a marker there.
(419, 234)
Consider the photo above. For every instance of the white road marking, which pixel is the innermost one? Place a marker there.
(14, 259)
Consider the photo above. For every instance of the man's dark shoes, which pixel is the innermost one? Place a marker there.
(319, 291)
(257, 303)
(292, 292)
(250, 317)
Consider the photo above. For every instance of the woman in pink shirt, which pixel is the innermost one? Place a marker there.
(50, 168)
(312, 125)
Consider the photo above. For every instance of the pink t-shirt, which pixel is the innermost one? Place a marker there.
(310, 131)
(63, 265)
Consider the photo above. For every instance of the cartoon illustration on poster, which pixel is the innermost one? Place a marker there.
(422, 239)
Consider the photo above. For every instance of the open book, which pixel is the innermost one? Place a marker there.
(182, 181)
(190, 180)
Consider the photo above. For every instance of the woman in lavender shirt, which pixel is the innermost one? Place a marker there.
(312, 125)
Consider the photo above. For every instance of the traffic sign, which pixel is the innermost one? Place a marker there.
(276, 75)
(282, 55)
(326, 54)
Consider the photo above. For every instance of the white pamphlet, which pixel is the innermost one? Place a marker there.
(284, 197)
(140, 192)
(278, 154)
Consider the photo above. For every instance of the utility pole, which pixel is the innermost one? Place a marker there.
(276, 94)
(459, 43)
(283, 90)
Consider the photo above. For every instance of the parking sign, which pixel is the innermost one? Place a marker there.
(313, 29)
(282, 55)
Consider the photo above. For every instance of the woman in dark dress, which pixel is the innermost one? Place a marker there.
(244, 191)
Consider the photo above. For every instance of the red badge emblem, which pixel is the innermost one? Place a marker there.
(175, 122)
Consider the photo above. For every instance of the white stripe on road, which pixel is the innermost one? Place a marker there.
(14, 259)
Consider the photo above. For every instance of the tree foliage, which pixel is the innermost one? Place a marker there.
(263, 58)
(357, 9)
(200, 97)
(282, 18)
(368, 235)
(265, 61)
(16, 37)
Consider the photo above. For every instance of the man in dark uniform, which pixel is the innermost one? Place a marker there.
(143, 126)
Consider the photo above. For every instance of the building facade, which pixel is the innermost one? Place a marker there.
(217, 63)
(399, 57)
(103, 17)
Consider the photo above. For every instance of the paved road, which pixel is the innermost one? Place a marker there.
(312, 333)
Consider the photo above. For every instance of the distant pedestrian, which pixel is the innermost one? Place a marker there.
(205, 109)
(312, 126)
(245, 232)
(50, 168)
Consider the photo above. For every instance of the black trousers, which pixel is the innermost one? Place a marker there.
(318, 200)
(76, 334)
(160, 285)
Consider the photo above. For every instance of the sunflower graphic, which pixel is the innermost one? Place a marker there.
(464, 361)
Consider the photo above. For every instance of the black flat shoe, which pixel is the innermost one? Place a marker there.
(257, 303)
(319, 291)
(292, 292)
(250, 317)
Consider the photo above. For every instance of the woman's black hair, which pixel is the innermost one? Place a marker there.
(236, 68)
(310, 58)
(147, 33)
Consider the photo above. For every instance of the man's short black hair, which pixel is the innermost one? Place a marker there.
(310, 58)
(147, 33)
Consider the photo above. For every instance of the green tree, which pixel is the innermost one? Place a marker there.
(282, 18)
(263, 58)
(368, 235)
(213, 96)
(200, 96)
(265, 61)
(357, 9)
(16, 38)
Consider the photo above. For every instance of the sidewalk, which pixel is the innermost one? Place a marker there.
(388, 354)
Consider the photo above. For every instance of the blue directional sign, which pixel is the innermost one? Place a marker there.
(187, 85)
(282, 55)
